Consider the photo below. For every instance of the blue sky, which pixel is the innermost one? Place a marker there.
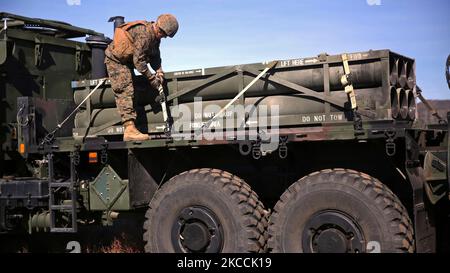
(227, 32)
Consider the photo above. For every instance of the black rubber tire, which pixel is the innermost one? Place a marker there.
(379, 213)
(242, 216)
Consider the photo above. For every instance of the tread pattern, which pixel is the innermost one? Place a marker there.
(399, 222)
(253, 214)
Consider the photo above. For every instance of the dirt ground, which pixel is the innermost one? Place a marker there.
(124, 237)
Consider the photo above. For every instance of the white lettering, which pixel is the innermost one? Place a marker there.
(284, 63)
(320, 118)
(306, 119)
(334, 117)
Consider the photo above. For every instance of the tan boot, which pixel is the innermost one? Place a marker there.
(132, 134)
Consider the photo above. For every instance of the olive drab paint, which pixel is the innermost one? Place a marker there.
(56, 178)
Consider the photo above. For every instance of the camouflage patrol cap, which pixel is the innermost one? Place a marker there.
(168, 23)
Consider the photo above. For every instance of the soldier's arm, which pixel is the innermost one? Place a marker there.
(155, 61)
(141, 44)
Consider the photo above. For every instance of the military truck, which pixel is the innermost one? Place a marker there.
(317, 154)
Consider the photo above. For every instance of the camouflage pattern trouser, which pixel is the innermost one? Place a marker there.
(122, 84)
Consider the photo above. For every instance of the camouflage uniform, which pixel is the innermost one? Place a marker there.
(146, 50)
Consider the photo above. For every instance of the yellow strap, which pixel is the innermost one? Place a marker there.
(348, 86)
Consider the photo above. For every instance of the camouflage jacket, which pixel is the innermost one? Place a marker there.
(146, 49)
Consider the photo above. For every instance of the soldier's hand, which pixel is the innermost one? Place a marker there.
(160, 75)
(160, 71)
(155, 83)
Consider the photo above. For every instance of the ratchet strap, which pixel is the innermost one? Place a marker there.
(162, 101)
(50, 136)
(268, 67)
(347, 82)
(430, 108)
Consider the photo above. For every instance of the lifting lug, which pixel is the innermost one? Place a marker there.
(282, 147)
(390, 144)
(256, 150)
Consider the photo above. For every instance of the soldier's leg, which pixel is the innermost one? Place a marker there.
(122, 85)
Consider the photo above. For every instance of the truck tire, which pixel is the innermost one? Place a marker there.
(339, 210)
(205, 210)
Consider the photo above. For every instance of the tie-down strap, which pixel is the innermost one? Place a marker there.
(346, 81)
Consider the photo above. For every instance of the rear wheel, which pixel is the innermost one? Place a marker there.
(340, 211)
(205, 210)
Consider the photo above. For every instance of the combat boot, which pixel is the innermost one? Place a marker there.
(132, 134)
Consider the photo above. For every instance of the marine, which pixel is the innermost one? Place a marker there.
(134, 45)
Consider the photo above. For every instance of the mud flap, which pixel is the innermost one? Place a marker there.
(435, 172)
(141, 182)
(424, 226)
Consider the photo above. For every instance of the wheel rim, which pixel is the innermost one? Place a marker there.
(197, 230)
(332, 232)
